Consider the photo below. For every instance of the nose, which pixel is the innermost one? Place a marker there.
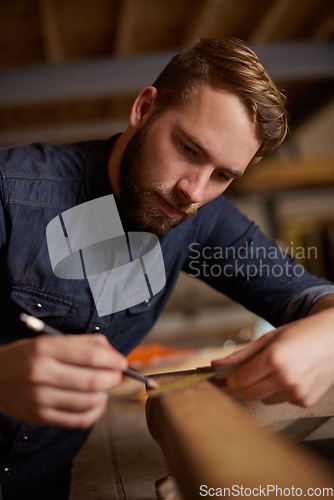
(192, 188)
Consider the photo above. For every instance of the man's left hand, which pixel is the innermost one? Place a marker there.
(292, 363)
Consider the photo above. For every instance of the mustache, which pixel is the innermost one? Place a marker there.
(188, 209)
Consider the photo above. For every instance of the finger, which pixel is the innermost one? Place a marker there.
(273, 389)
(86, 379)
(68, 400)
(250, 372)
(303, 394)
(73, 377)
(73, 420)
(281, 397)
(84, 350)
(247, 352)
(265, 388)
(91, 350)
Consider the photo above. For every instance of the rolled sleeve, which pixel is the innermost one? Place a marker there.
(300, 305)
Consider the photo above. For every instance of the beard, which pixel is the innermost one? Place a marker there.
(138, 197)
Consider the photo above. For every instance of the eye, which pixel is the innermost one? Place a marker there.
(188, 149)
(221, 174)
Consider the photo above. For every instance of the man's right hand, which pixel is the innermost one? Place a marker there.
(61, 381)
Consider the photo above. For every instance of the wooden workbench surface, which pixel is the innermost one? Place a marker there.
(120, 460)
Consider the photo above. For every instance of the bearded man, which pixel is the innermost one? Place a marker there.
(211, 113)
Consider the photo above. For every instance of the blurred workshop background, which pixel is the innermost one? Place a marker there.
(70, 69)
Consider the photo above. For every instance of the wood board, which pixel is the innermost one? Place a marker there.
(208, 439)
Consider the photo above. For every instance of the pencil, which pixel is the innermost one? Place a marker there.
(38, 325)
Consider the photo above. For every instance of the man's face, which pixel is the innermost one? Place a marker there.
(185, 157)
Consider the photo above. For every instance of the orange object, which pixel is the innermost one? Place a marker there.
(151, 354)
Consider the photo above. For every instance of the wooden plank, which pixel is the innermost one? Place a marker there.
(209, 440)
(291, 173)
(120, 460)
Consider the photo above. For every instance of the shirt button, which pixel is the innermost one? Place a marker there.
(96, 329)
(24, 439)
(37, 307)
(7, 471)
(147, 302)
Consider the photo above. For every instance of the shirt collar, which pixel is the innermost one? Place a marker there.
(97, 181)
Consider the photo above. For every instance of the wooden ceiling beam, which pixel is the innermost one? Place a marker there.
(270, 21)
(53, 47)
(155, 24)
(238, 18)
(118, 76)
(202, 26)
(65, 133)
(292, 20)
(124, 27)
(326, 29)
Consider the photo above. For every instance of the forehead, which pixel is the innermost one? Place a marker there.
(217, 101)
(219, 119)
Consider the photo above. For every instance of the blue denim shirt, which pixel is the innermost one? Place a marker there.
(217, 245)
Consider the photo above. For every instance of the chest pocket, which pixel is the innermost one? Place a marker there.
(41, 304)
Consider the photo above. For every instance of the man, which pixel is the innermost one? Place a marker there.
(210, 113)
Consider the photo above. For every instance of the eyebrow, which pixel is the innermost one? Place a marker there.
(195, 142)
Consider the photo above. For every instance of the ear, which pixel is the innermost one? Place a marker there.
(143, 107)
(255, 160)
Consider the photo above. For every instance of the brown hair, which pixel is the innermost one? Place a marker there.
(227, 64)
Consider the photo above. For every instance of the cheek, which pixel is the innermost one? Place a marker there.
(214, 191)
(163, 159)
(161, 166)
